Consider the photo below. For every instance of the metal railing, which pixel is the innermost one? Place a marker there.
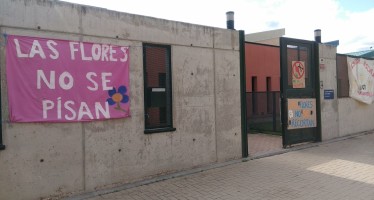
(263, 111)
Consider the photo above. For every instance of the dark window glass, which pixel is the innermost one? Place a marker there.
(157, 88)
(254, 84)
(269, 95)
(254, 97)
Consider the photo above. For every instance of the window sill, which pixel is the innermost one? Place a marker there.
(159, 130)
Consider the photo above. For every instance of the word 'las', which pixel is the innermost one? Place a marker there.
(99, 52)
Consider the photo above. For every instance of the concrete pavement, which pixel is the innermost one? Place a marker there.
(335, 170)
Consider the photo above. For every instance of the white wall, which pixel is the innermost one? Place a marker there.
(46, 159)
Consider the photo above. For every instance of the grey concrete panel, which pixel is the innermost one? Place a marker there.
(193, 86)
(327, 51)
(228, 128)
(329, 107)
(193, 74)
(226, 39)
(354, 116)
(41, 159)
(111, 149)
(43, 15)
(195, 134)
(147, 29)
(228, 64)
(228, 121)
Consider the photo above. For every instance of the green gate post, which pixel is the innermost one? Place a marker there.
(243, 100)
(2, 146)
(274, 112)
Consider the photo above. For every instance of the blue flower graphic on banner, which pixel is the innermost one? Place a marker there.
(117, 97)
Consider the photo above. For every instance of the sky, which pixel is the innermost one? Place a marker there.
(349, 21)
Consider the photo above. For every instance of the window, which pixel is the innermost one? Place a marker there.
(254, 95)
(254, 84)
(157, 88)
(268, 84)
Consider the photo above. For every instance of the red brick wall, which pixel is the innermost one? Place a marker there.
(262, 61)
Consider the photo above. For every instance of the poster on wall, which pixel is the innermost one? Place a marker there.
(298, 74)
(52, 80)
(301, 113)
(361, 79)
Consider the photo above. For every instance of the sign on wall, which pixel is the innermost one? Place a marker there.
(301, 113)
(328, 94)
(53, 80)
(361, 79)
(298, 74)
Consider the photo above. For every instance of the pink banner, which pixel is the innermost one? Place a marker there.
(53, 80)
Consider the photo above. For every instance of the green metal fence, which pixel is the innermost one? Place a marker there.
(263, 112)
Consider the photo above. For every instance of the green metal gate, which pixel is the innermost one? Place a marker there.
(300, 102)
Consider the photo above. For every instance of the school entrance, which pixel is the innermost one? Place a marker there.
(289, 116)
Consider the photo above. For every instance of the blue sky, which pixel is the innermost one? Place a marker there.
(349, 21)
(357, 5)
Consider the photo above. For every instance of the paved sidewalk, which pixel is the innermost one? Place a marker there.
(261, 144)
(342, 170)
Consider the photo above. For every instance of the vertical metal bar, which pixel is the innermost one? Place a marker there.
(2, 146)
(284, 84)
(274, 112)
(254, 102)
(243, 101)
(315, 47)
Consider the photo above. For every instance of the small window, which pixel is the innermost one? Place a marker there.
(157, 88)
(269, 95)
(255, 95)
(268, 84)
(254, 84)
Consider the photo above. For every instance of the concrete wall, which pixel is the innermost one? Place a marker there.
(354, 116)
(340, 116)
(46, 159)
(329, 107)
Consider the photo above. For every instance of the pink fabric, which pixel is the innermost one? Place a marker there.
(91, 81)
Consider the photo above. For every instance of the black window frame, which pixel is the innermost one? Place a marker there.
(168, 92)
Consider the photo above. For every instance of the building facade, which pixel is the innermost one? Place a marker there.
(184, 101)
